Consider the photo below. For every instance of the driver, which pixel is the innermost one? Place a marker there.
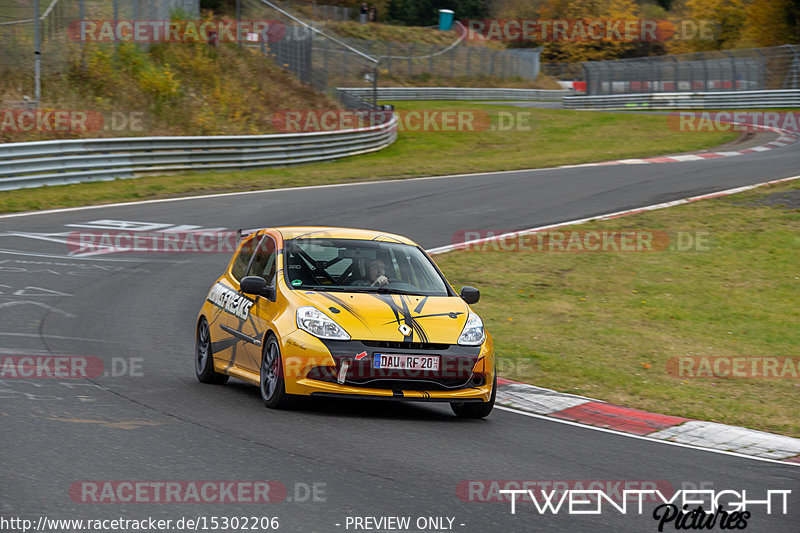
(376, 274)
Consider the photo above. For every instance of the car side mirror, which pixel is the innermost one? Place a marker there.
(471, 295)
(257, 286)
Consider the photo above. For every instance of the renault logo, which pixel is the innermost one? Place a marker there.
(405, 330)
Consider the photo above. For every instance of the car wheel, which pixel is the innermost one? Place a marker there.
(475, 409)
(204, 356)
(273, 390)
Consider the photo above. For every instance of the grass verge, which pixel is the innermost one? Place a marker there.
(607, 325)
(553, 137)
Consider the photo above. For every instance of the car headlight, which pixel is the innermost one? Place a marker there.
(473, 333)
(319, 324)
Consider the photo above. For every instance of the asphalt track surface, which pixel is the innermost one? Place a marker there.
(370, 458)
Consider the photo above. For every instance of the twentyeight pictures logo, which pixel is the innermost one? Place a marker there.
(683, 509)
(678, 509)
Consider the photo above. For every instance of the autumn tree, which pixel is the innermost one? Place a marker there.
(772, 23)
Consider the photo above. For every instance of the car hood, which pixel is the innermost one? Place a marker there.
(380, 317)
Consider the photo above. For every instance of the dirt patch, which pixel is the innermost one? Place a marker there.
(746, 140)
(783, 200)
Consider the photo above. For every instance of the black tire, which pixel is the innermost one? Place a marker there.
(475, 409)
(272, 387)
(204, 356)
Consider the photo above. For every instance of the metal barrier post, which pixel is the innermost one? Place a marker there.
(375, 84)
(37, 53)
(733, 69)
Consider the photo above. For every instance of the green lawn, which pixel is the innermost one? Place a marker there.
(554, 137)
(606, 324)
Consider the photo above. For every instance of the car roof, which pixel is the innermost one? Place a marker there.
(325, 232)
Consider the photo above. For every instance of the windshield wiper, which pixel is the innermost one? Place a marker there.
(379, 290)
(386, 290)
(323, 288)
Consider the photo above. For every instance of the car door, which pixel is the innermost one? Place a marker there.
(251, 330)
(233, 306)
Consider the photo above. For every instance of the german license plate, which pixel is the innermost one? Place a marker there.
(390, 361)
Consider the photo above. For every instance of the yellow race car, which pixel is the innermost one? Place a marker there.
(348, 313)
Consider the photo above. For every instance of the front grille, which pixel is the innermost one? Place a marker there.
(420, 384)
(328, 374)
(392, 345)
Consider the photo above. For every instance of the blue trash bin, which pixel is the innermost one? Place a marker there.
(446, 19)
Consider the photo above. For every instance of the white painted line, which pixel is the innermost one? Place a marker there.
(537, 399)
(641, 437)
(688, 157)
(39, 336)
(725, 437)
(77, 257)
(38, 236)
(262, 191)
(451, 247)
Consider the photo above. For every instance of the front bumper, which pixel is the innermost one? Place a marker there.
(312, 367)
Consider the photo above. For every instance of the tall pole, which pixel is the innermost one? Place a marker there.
(116, 18)
(238, 21)
(375, 85)
(82, 15)
(37, 45)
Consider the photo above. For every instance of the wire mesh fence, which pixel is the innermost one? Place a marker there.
(727, 70)
(58, 28)
(327, 12)
(316, 59)
(326, 60)
(315, 56)
(449, 61)
(564, 71)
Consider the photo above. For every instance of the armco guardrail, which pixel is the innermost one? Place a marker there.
(457, 93)
(688, 100)
(33, 164)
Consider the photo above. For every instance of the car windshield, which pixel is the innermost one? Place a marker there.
(350, 265)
